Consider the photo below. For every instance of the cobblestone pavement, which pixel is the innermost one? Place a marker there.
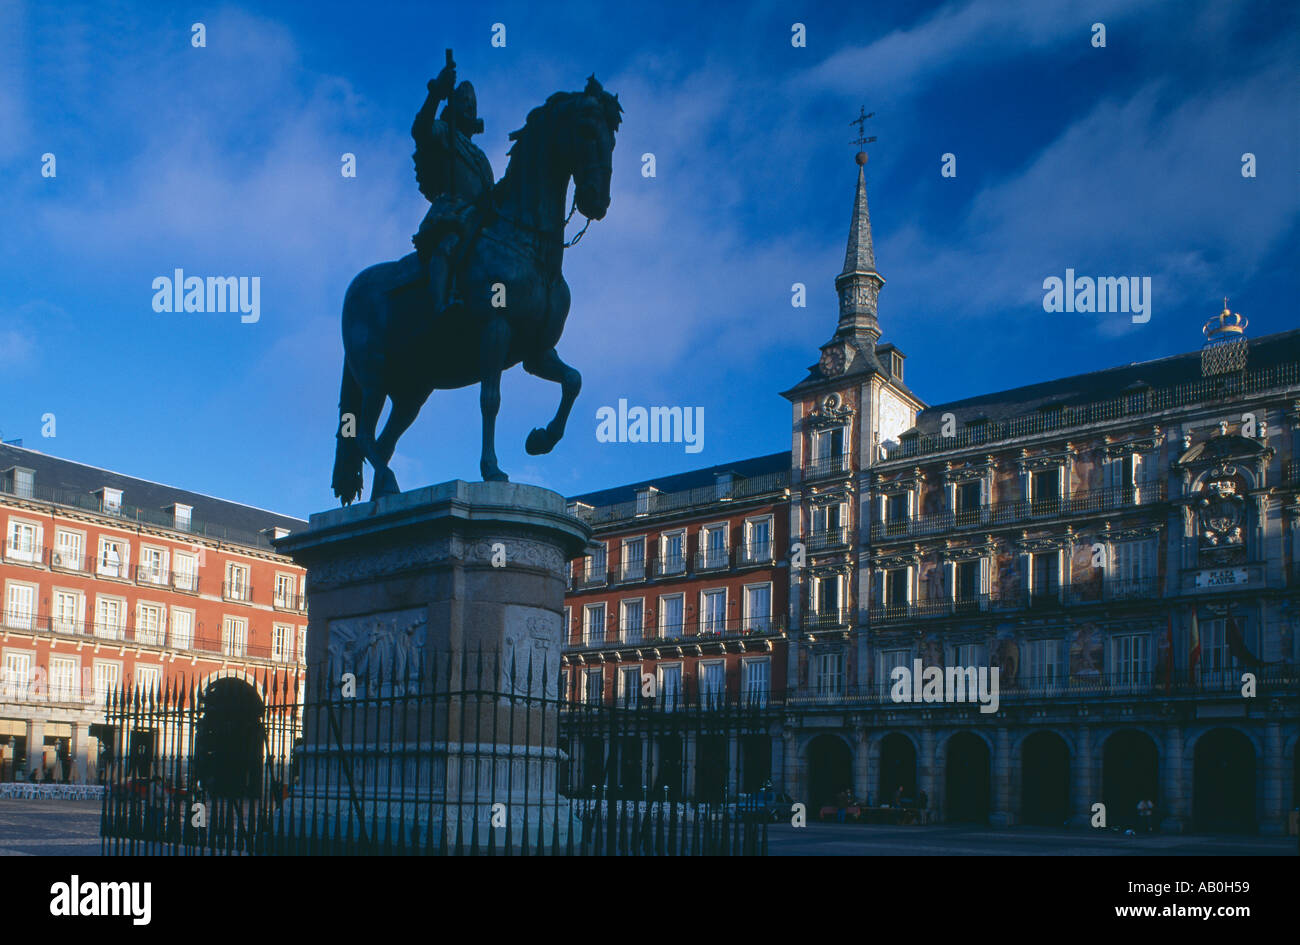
(71, 828)
(49, 828)
(968, 840)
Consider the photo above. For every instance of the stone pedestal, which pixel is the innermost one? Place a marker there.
(442, 608)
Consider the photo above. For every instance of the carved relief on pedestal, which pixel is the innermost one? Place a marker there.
(384, 651)
(530, 651)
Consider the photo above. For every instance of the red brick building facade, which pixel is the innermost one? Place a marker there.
(110, 581)
(684, 598)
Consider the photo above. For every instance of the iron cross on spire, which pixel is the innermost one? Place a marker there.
(861, 121)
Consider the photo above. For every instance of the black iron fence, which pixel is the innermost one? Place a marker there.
(442, 756)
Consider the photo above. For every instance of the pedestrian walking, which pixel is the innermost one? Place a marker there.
(1145, 811)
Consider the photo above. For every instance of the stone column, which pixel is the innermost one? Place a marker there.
(1272, 821)
(35, 748)
(791, 775)
(776, 751)
(458, 588)
(1084, 794)
(1002, 815)
(1176, 802)
(927, 774)
(861, 763)
(82, 751)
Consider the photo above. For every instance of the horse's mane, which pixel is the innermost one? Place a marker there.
(539, 116)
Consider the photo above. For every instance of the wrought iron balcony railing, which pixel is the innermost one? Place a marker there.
(687, 632)
(670, 565)
(24, 554)
(631, 572)
(186, 581)
(63, 559)
(713, 559)
(827, 539)
(1005, 513)
(587, 577)
(147, 574)
(162, 637)
(755, 553)
(1093, 592)
(825, 466)
(237, 591)
(827, 620)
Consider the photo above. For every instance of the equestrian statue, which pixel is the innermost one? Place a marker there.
(483, 290)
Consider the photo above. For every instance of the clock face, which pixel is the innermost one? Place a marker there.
(832, 362)
(895, 418)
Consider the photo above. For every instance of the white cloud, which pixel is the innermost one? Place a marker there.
(1075, 203)
(959, 34)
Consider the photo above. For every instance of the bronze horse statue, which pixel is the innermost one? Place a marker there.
(515, 299)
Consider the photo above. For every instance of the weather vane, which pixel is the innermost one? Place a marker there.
(862, 140)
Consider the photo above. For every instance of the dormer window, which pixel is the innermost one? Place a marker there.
(20, 482)
(645, 500)
(723, 480)
(896, 365)
(181, 517)
(110, 500)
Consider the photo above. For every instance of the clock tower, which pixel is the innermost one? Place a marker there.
(851, 405)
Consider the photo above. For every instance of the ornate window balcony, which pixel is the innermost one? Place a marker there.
(1006, 513)
(631, 572)
(584, 578)
(755, 552)
(752, 632)
(826, 466)
(237, 591)
(146, 574)
(24, 553)
(670, 566)
(827, 539)
(1074, 595)
(713, 559)
(827, 620)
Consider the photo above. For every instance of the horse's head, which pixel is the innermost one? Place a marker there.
(571, 137)
(594, 116)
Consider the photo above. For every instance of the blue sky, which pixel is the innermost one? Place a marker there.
(225, 161)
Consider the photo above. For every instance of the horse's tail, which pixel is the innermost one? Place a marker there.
(347, 452)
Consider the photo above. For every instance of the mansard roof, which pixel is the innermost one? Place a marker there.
(1265, 352)
(66, 482)
(692, 479)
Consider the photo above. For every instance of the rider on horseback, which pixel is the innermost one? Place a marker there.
(453, 175)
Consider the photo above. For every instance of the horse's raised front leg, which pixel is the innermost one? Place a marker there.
(549, 367)
(493, 348)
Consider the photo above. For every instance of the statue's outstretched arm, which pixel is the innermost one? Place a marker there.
(422, 129)
(440, 90)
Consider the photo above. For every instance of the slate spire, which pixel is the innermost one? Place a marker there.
(858, 284)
